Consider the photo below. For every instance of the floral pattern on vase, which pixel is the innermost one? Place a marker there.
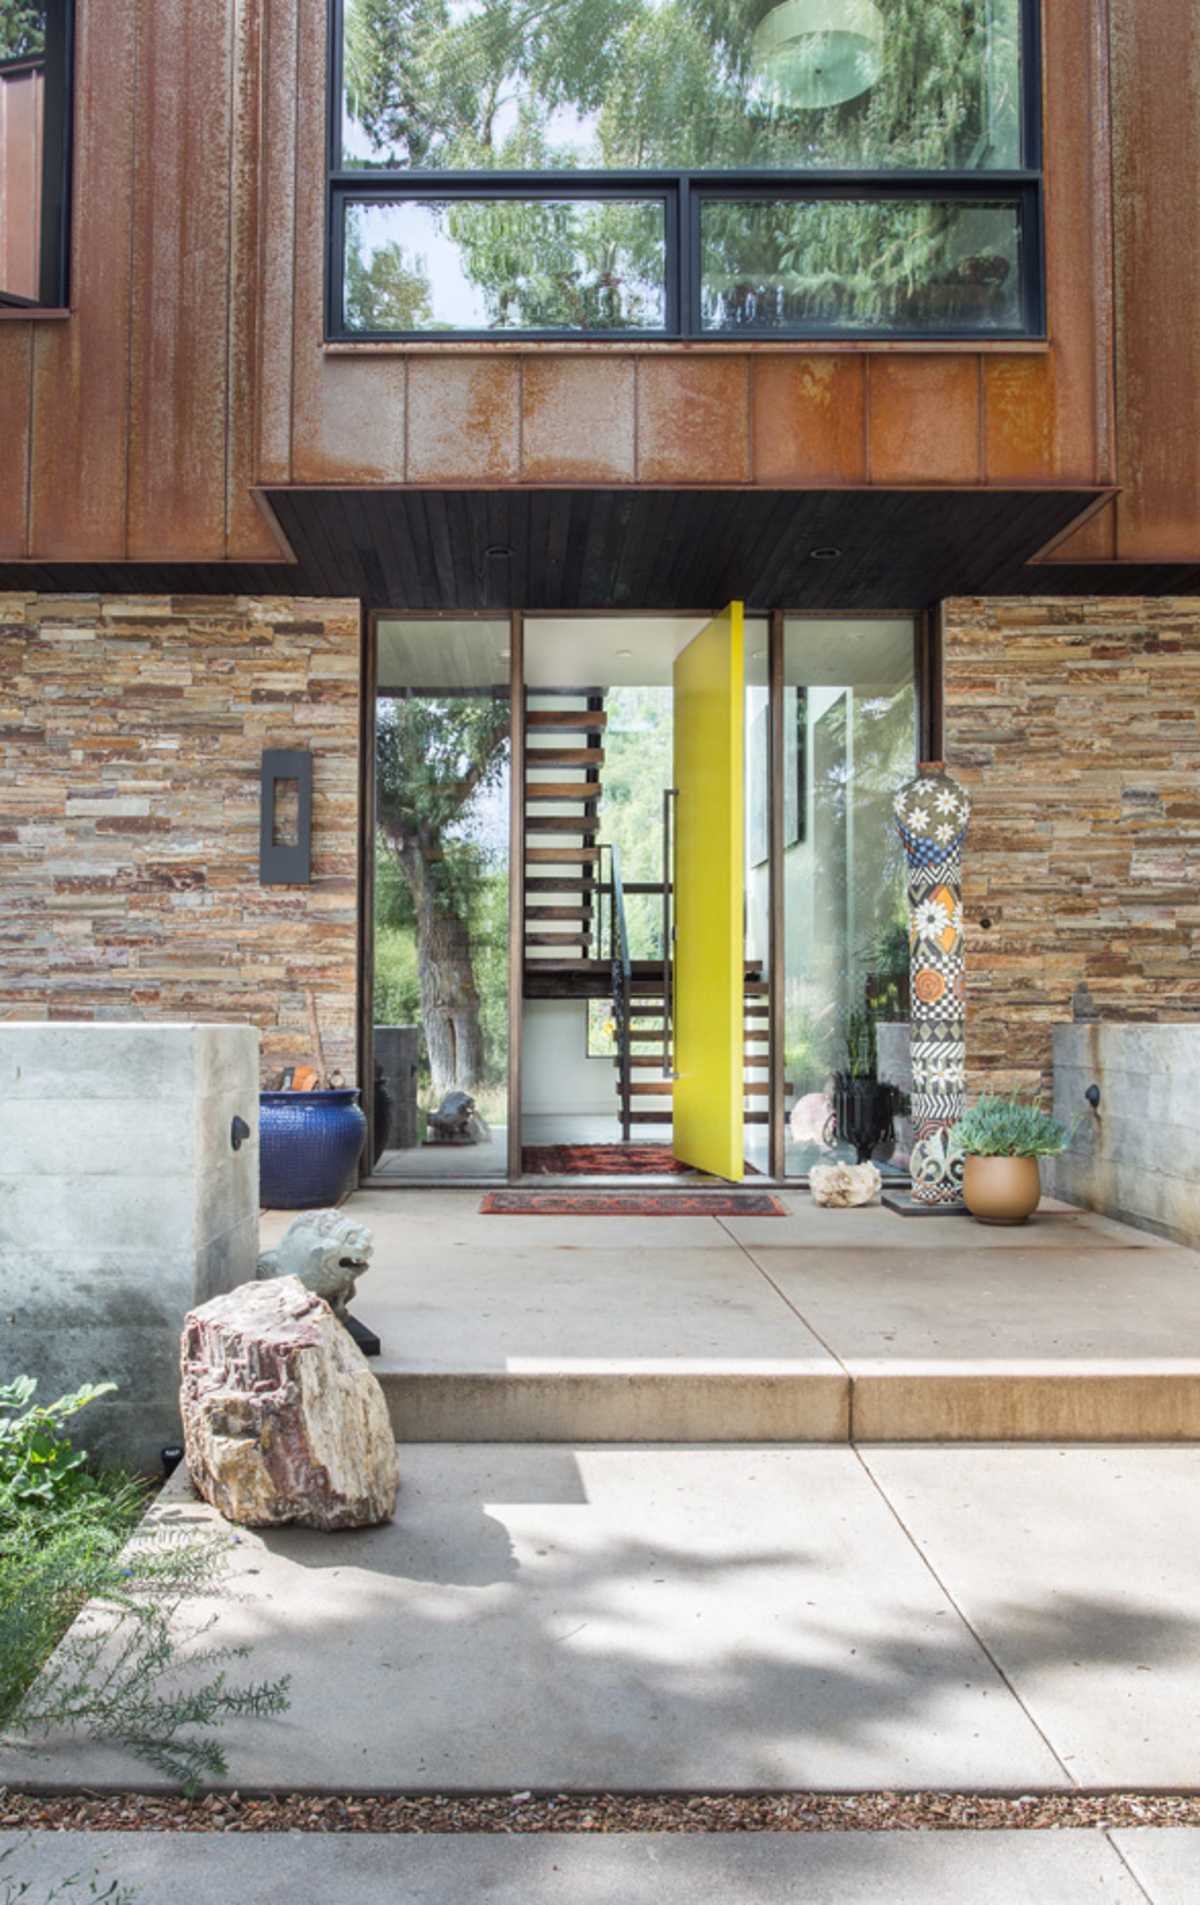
(932, 815)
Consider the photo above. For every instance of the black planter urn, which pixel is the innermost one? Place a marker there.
(863, 1111)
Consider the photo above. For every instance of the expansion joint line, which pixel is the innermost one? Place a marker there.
(984, 1649)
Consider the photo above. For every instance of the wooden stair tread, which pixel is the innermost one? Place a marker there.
(562, 790)
(589, 718)
(558, 912)
(564, 757)
(564, 856)
(556, 939)
(561, 823)
(651, 1087)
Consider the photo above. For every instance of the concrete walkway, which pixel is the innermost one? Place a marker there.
(720, 1619)
(737, 1614)
(844, 1868)
(821, 1326)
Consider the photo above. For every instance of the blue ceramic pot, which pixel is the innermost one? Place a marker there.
(309, 1144)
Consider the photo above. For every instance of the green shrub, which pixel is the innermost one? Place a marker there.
(1007, 1128)
(90, 1634)
(38, 1463)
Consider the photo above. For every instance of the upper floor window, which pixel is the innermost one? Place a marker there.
(35, 130)
(685, 167)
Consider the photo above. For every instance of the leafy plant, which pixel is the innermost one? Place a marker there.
(37, 1460)
(1008, 1128)
(91, 1637)
(861, 1059)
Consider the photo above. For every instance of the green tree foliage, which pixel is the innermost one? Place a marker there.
(435, 758)
(22, 29)
(538, 85)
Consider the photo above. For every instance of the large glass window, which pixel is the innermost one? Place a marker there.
(35, 71)
(888, 148)
(850, 740)
(440, 983)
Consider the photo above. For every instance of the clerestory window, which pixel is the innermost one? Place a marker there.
(35, 136)
(685, 168)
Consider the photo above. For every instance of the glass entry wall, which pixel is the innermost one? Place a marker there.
(849, 719)
(441, 941)
(756, 1006)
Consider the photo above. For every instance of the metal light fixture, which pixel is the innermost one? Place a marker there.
(816, 53)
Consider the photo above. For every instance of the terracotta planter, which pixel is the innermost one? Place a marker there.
(1001, 1190)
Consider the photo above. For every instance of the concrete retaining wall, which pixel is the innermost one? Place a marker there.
(122, 1204)
(1137, 1156)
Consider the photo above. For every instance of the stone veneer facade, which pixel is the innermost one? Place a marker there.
(1075, 725)
(131, 731)
(131, 734)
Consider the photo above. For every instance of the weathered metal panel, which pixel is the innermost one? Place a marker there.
(81, 368)
(1156, 112)
(924, 419)
(181, 247)
(16, 349)
(808, 418)
(693, 419)
(247, 535)
(277, 247)
(348, 412)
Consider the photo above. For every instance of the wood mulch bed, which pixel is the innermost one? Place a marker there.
(600, 1812)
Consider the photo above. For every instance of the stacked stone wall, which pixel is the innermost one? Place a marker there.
(131, 736)
(1075, 725)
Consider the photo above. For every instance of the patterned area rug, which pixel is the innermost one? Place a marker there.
(607, 1160)
(632, 1204)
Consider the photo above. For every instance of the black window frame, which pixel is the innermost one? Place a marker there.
(54, 239)
(684, 192)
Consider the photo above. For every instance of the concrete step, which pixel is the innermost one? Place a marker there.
(820, 1326)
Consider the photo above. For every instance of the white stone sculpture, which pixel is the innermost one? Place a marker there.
(836, 1186)
(282, 1418)
(326, 1251)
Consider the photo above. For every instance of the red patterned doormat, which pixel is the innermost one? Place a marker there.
(632, 1204)
(607, 1160)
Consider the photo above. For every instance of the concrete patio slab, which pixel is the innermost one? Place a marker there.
(1165, 1862)
(843, 1868)
(571, 1342)
(1078, 1570)
(605, 1619)
(1053, 1226)
(1006, 1343)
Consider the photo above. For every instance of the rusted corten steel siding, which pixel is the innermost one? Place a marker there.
(804, 416)
(192, 366)
(127, 430)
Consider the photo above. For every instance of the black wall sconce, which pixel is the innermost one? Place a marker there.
(285, 839)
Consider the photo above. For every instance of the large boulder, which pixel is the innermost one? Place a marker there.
(282, 1418)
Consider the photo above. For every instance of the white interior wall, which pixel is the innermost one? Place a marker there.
(557, 1077)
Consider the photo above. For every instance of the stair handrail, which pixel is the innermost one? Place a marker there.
(668, 935)
(622, 971)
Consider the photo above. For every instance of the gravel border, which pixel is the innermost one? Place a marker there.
(595, 1812)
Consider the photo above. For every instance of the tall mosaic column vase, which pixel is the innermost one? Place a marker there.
(932, 814)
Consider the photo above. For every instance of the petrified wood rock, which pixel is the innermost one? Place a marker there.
(838, 1185)
(282, 1418)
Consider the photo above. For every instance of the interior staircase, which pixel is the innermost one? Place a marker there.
(567, 953)
(564, 755)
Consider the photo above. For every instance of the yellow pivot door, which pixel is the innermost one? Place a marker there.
(709, 889)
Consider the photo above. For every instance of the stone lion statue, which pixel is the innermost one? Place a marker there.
(326, 1251)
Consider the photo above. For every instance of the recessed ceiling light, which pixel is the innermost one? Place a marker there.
(624, 654)
(499, 550)
(758, 654)
(505, 654)
(827, 554)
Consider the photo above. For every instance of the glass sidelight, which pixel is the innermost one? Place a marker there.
(849, 740)
(440, 978)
